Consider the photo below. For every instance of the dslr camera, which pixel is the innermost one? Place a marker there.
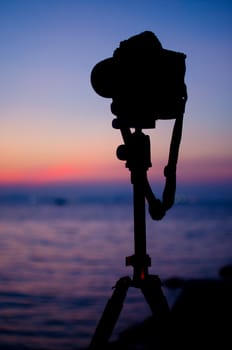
(144, 81)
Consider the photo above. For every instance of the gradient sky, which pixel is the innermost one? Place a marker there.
(53, 126)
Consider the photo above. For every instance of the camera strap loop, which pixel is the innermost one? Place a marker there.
(157, 209)
(170, 169)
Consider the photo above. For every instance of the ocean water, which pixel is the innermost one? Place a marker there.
(60, 262)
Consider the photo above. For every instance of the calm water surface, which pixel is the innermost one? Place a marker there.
(59, 264)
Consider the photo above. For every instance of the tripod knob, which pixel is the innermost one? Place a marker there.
(122, 153)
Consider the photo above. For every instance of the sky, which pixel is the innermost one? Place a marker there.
(53, 125)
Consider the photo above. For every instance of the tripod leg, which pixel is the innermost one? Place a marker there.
(151, 289)
(110, 315)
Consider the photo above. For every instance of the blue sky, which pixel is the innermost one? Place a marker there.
(53, 126)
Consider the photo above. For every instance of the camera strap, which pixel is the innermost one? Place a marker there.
(158, 208)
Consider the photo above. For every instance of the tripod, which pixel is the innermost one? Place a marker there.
(136, 151)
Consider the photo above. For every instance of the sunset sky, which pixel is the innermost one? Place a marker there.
(54, 127)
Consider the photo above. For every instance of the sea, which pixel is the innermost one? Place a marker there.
(64, 249)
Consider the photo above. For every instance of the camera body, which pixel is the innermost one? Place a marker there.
(145, 81)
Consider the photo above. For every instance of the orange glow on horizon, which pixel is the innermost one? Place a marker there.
(61, 173)
(195, 170)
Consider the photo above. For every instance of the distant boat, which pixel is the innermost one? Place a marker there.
(60, 201)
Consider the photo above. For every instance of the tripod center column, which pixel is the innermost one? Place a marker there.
(138, 162)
